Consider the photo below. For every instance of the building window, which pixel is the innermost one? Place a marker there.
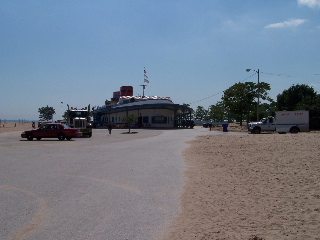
(145, 119)
(159, 120)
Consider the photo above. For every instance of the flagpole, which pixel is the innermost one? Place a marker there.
(143, 88)
(145, 80)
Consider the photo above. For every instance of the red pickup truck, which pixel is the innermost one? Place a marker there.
(52, 130)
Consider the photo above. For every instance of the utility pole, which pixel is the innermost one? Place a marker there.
(258, 91)
(258, 103)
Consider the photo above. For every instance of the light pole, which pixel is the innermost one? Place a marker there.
(258, 102)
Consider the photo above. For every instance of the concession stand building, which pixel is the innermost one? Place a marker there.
(150, 111)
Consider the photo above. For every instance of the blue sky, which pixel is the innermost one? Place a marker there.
(80, 52)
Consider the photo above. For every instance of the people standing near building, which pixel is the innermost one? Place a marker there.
(109, 128)
(210, 125)
(33, 125)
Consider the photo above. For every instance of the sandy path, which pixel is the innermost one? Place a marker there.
(251, 187)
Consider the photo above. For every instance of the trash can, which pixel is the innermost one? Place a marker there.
(225, 127)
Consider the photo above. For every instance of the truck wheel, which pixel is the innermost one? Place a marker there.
(90, 135)
(61, 137)
(30, 137)
(68, 138)
(294, 130)
(38, 138)
(256, 130)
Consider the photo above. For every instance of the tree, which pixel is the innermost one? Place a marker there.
(268, 109)
(186, 104)
(187, 113)
(201, 113)
(46, 113)
(301, 97)
(217, 112)
(239, 99)
(129, 120)
(297, 97)
(315, 114)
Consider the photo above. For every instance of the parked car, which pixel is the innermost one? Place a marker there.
(52, 130)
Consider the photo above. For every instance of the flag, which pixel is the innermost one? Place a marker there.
(145, 76)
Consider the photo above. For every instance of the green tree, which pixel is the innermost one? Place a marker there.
(217, 112)
(186, 104)
(315, 114)
(239, 99)
(186, 109)
(268, 109)
(201, 113)
(46, 113)
(129, 120)
(297, 97)
(301, 97)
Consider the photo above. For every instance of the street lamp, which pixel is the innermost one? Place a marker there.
(248, 70)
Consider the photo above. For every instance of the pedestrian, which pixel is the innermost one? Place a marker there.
(210, 125)
(33, 125)
(109, 128)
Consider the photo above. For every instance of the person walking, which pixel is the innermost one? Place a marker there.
(109, 128)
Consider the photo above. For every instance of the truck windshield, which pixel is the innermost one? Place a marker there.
(83, 114)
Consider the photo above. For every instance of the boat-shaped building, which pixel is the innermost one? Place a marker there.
(150, 111)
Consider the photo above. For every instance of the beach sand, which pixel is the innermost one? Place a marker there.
(15, 126)
(264, 186)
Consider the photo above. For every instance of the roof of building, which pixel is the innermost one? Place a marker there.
(126, 102)
(139, 101)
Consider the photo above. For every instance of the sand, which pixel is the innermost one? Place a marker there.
(264, 186)
(15, 126)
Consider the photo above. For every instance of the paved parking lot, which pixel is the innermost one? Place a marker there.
(123, 186)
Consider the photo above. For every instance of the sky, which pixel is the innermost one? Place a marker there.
(56, 52)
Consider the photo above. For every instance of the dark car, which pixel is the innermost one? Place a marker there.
(52, 130)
